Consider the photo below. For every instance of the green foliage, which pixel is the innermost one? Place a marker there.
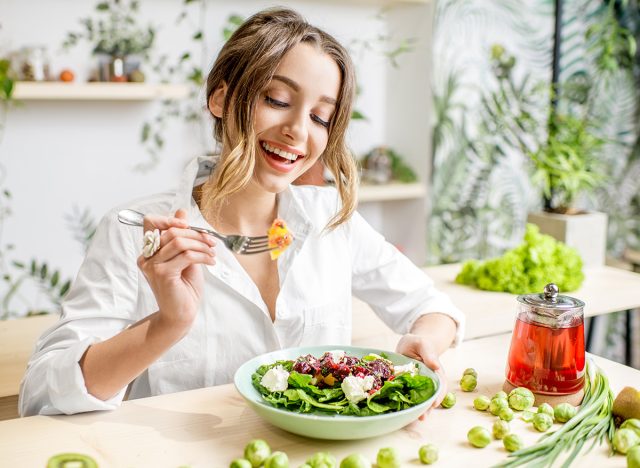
(48, 279)
(6, 80)
(527, 268)
(567, 164)
(613, 45)
(114, 30)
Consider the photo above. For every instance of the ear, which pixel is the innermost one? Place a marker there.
(216, 100)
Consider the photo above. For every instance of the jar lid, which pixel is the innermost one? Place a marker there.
(550, 299)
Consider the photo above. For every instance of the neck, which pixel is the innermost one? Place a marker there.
(249, 212)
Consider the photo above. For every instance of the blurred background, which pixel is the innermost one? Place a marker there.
(470, 117)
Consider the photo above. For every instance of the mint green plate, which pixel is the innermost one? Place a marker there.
(321, 425)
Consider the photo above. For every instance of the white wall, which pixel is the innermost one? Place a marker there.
(61, 154)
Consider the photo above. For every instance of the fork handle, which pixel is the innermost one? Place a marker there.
(135, 218)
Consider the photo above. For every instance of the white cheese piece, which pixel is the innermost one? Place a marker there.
(411, 368)
(275, 379)
(337, 355)
(355, 388)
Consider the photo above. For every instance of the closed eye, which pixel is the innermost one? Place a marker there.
(318, 120)
(275, 102)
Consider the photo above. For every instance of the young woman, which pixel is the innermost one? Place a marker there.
(188, 313)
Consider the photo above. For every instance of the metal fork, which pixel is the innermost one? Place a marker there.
(244, 245)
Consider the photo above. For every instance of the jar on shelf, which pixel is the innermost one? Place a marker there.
(33, 64)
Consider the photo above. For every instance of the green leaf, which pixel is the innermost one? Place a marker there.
(17, 264)
(65, 287)
(197, 36)
(43, 271)
(357, 115)
(55, 278)
(33, 267)
(146, 131)
(103, 6)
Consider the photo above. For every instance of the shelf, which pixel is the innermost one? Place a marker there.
(58, 91)
(390, 192)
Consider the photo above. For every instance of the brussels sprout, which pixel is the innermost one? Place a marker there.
(468, 383)
(355, 460)
(624, 439)
(481, 403)
(546, 408)
(388, 458)
(277, 460)
(496, 405)
(521, 398)
(506, 414)
(257, 451)
(479, 437)
(512, 442)
(240, 463)
(633, 457)
(542, 422)
(500, 394)
(527, 416)
(631, 424)
(449, 400)
(428, 454)
(470, 371)
(322, 460)
(500, 429)
(564, 411)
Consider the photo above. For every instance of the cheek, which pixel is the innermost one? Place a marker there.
(320, 140)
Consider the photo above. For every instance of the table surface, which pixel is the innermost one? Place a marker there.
(209, 427)
(605, 290)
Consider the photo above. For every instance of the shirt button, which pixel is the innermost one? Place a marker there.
(224, 273)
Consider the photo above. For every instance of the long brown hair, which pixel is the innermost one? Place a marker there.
(247, 63)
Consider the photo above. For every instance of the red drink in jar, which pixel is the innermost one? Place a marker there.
(547, 352)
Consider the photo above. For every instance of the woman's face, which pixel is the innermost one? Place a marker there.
(292, 116)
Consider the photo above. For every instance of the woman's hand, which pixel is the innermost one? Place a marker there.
(174, 271)
(422, 349)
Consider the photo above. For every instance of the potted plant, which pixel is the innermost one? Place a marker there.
(563, 151)
(116, 37)
(565, 167)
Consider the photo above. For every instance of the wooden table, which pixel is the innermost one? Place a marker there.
(209, 427)
(605, 290)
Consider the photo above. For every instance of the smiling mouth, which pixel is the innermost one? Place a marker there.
(280, 155)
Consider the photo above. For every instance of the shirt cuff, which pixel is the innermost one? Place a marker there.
(68, 392)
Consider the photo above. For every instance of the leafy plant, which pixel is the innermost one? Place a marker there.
(567, 164)
(528, 267)
(114, 31)
(47, 279)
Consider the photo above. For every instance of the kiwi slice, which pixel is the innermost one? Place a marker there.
(71, 460)
(626, 405)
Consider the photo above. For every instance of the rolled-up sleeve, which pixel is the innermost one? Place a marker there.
(397, 290)
(100, 304)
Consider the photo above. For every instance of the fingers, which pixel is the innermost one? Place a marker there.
(163, 223)
(179, 245)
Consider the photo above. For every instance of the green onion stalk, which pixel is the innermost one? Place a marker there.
(594, 422)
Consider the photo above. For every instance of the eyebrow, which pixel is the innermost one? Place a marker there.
(296, 87)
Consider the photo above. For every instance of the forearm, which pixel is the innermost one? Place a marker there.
(439, 329)
(112, 364)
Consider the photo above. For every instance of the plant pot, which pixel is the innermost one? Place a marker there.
(586, 232)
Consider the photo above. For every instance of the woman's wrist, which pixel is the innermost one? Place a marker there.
(438, 328)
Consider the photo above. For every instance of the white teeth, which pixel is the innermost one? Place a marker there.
(282, 153)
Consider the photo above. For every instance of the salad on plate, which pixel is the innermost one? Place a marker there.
(336, 383)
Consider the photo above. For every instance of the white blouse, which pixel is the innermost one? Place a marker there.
(318, 275)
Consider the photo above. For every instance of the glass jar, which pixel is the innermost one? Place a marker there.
(547, 352)
(34, 64)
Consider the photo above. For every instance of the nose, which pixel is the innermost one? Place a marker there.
(295, 127)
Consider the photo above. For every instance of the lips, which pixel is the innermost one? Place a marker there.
(280, 163)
